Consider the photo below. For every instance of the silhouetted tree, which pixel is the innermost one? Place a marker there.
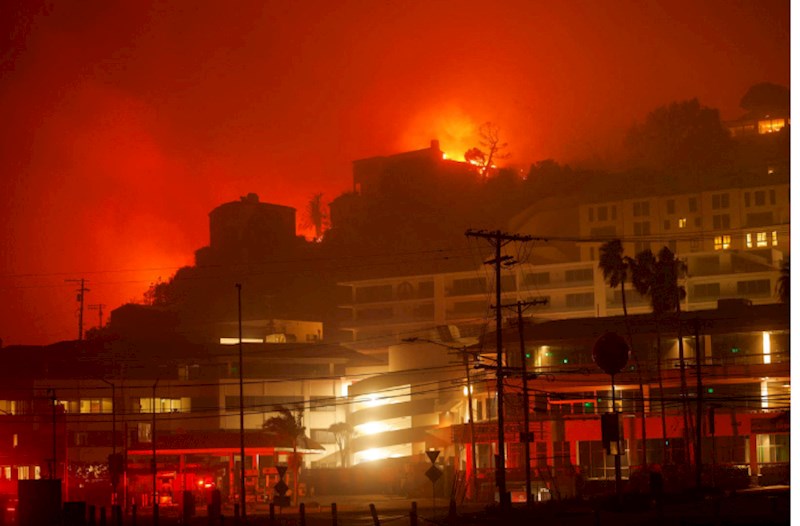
(616, 267)
(489, 151)
(683, 136)
(159, 294)
(288, 427)
(316, 216)
(766, 98)
(342, 433)
(782, 286)
(657, 278)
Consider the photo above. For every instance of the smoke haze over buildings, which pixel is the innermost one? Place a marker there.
(126, 123)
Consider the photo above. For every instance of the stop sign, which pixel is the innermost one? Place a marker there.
(610, 352)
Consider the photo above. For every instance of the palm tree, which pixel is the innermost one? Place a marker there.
(657, 277)
(616, 267)
(782, 287)
(342, 433)
(643, 269)
(288, 427)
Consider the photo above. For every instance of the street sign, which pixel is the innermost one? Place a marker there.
(526, 437)
(281, 488)
(433, 473)
(610, 352)
(433, 455)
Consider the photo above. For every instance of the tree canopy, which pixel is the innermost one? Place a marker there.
(681, 136)
(765, 98)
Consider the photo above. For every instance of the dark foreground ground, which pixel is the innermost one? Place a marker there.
(763, 506)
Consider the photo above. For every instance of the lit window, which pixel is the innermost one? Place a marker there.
(770, 125)
(761, 239)
(722, 242)
(682, 222)
(748, 240)
(774, 238)
(95, 405)
(165, 405)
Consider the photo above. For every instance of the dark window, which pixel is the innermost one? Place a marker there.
(537, 278)
(580, 274)
(602, 213)
(467, 307)
(747, 199)
(760, 198)
(322, 436)
(756, 287)
(722, 221)
(759, 219)
(692, 204)
(374, 314)
(641, 208)
(719, 201)
(670, 206)
(641, 228)
(375, 293)
(583, 299)
(707, 290)
(603, 231)
(466, 286)
(425, 289)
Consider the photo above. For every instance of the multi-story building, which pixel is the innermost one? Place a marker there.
(177, 404)
(748, 218)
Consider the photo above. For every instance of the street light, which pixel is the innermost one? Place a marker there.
(464, 353)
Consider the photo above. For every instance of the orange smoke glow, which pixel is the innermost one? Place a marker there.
(456, 130)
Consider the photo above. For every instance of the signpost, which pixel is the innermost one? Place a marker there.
(433, 472)
(610, 353)
(280, 498)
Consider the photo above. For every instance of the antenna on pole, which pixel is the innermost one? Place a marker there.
(98, 307)
(82, 290)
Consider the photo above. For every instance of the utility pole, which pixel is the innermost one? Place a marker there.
(525, 436)
(98, 307)
(498, 240)
(82, 290)
(242, 498)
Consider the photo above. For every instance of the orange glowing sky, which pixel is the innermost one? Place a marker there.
(125, 123)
